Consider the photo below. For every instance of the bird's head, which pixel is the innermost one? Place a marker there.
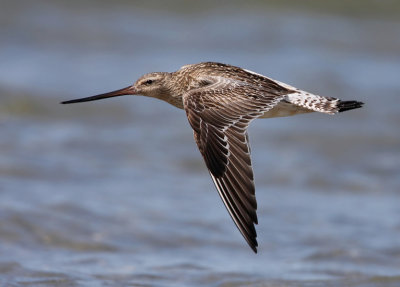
(151, 85)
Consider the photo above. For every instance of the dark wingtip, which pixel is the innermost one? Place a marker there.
(253, 244)
(349, 105)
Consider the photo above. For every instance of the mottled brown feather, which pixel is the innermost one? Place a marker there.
(219, 115)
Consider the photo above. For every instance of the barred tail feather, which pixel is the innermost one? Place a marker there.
(321, 104)
(317, 103)
(313, 102)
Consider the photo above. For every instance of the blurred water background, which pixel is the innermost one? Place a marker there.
(115, 193)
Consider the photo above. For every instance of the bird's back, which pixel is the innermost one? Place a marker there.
(201, 71)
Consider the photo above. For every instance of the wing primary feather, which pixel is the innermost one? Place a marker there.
(249, 237)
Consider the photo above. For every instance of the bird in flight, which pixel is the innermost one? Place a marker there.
(220, 101)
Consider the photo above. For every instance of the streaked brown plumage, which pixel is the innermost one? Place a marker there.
(220, 102)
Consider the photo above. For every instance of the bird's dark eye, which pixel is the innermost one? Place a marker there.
(149, 82)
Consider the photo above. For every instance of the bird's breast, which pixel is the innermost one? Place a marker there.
(176, 101)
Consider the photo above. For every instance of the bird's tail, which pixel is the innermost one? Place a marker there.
(318, 103)
(321, 104)
(343, 106)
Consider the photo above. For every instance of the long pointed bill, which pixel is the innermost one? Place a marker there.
(122, 92)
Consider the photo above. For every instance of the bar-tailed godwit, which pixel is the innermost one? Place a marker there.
(220, 102)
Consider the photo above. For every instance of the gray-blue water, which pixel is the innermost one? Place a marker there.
(115, 193)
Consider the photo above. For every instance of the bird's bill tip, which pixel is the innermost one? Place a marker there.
(130, 90)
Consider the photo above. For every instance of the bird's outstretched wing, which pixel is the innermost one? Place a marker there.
(219, 114)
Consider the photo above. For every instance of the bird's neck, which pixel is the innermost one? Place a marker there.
(171, 93)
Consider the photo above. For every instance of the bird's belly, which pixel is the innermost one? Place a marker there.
(285, 109)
